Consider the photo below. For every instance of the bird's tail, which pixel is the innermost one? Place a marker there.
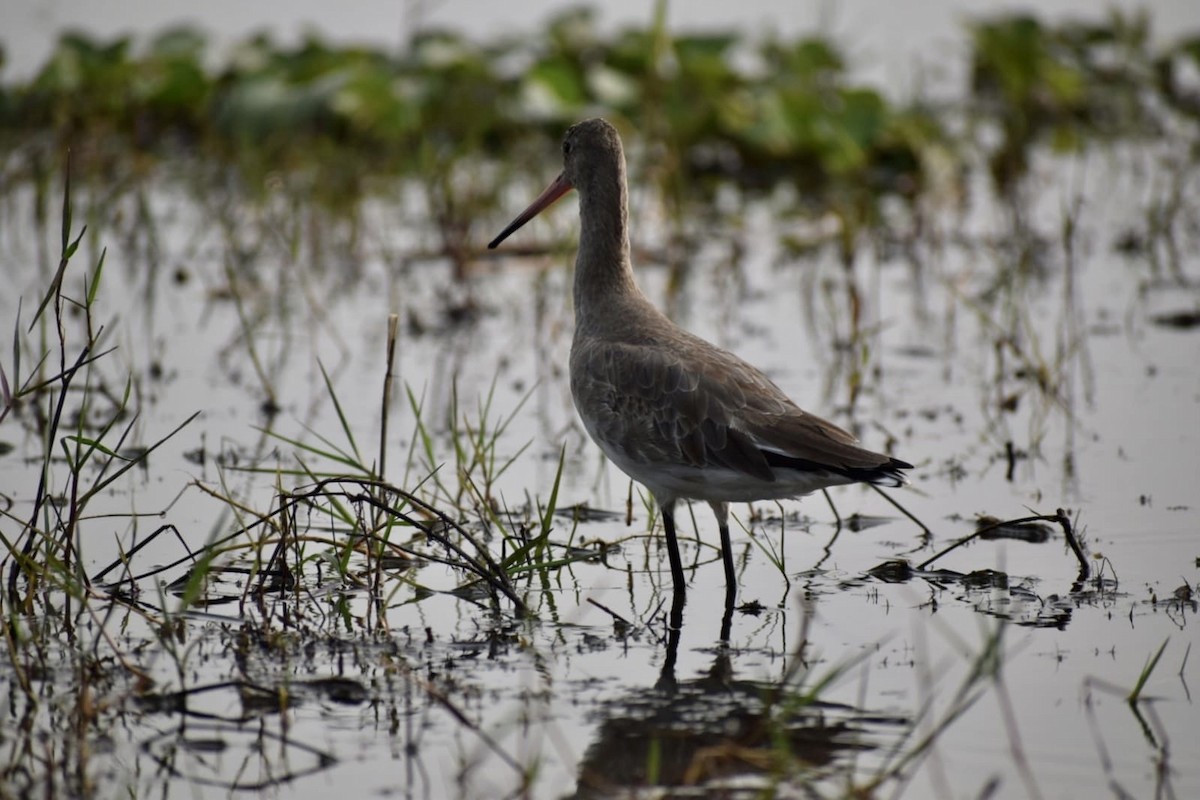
(890, 474)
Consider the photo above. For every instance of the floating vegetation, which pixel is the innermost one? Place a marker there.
(1062, 85)
(758, 115)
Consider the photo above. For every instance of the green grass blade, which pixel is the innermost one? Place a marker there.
(334, 453)
(100, 486)
(94, 285)
(1146, 672)
(337, 406)
(552, 502)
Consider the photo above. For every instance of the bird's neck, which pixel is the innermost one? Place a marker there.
(603, 271)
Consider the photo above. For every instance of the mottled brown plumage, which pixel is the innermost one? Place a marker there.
(677, 414)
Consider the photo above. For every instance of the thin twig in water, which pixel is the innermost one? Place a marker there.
(1060, 517)
(616, 617)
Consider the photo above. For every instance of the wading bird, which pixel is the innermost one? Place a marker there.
(682, 417)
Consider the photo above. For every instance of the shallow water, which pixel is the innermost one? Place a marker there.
(1021, 372)
(457, 701)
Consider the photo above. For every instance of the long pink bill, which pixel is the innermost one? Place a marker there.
(555, 190)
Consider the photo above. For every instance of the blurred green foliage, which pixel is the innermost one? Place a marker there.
(718, 108)
(1060, 85)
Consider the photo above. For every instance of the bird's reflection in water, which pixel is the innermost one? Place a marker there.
(716, 729)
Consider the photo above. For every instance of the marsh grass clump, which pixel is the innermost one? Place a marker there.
(88, 647)
(79, 413)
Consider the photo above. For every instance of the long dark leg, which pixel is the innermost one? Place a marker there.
(668, 514)
(722, 512)
(666, 676)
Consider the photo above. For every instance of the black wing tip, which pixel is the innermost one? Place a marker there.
(890, 474)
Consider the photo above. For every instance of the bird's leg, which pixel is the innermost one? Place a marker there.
(666, 676)
(727, 618)
(668, 514)
(721, 510)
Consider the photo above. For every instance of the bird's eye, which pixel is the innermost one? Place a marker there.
(566, 147)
